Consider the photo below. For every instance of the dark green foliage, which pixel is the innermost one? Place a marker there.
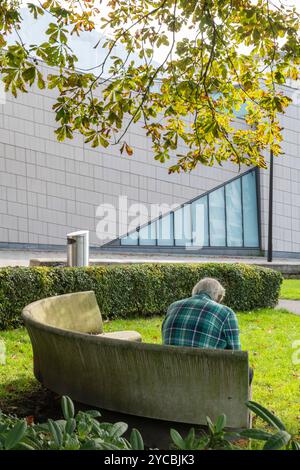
(280, 438)
(135, 290)
(217, 438)
(85, 431)
(80, 431)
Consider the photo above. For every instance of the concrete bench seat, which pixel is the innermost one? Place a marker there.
(123, 335)
(72, 356)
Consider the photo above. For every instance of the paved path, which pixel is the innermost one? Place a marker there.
(291, 305)
(20, 257)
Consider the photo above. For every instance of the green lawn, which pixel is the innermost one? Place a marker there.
(290, 289)
(267, 335)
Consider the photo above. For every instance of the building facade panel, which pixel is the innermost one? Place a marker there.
(48, 189)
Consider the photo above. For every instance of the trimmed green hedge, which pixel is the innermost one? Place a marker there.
(137, 289)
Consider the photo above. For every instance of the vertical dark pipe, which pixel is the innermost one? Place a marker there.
(270, 227)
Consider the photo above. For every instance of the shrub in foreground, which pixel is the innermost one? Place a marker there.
(84, 431)
(276, 437)
(135, 290)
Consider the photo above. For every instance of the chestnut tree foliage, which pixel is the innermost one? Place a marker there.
(216, 56)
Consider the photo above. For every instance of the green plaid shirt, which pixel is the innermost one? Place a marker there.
(200, 322)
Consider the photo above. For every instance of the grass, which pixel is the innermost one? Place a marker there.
(267, 335)
(290, 289)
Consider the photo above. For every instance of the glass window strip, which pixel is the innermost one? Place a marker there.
(182, 223)
(234, 214)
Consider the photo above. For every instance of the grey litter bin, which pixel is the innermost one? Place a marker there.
(78, 248)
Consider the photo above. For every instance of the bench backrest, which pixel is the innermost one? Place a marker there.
(75, 312)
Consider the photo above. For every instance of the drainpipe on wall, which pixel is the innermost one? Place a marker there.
(270, 224)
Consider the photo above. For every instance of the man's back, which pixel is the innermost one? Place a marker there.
(200, 322)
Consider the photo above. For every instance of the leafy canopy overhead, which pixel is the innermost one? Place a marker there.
(216, 58)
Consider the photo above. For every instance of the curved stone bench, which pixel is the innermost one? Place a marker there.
(73, 357)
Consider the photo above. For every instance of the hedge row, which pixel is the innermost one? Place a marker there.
(135, 290)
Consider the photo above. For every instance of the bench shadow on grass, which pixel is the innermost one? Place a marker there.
(34, 401)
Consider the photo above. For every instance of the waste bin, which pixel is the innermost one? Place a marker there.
(78, 248)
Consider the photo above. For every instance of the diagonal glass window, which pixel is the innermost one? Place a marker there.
(234, 225)
(223, 217)
(147, 234)
(217, 218)
(130, 239)
(165, 230)
(183, 226)
(250, 219)
(199, 210)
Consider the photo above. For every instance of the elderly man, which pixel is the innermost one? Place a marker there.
(201, 321)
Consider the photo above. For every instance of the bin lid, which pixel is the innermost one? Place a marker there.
(80, 233)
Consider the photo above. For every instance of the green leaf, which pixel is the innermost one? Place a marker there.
(177, 439)
(110, 446)
(30, 443)
(95, 141)
(35, 10)
(277, 441)
(41, 81)
(137, 117)
(55, 432)
(93, 413)
(118, 429)
(190, 438)
(220, 423)
(61, 133)
(258, 434)
(15, 435)
(29, 74)
(136, 440)
(92, 444)
(256, 34)
(70, 426)
(104, 142)
(210, 425)
(71, 443)
(67, 407)
(295, 445)
(265, 415)
(24, 446)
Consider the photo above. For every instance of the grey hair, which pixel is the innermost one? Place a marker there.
(210, 286)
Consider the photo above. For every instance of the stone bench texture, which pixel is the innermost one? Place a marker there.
(117, 372)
